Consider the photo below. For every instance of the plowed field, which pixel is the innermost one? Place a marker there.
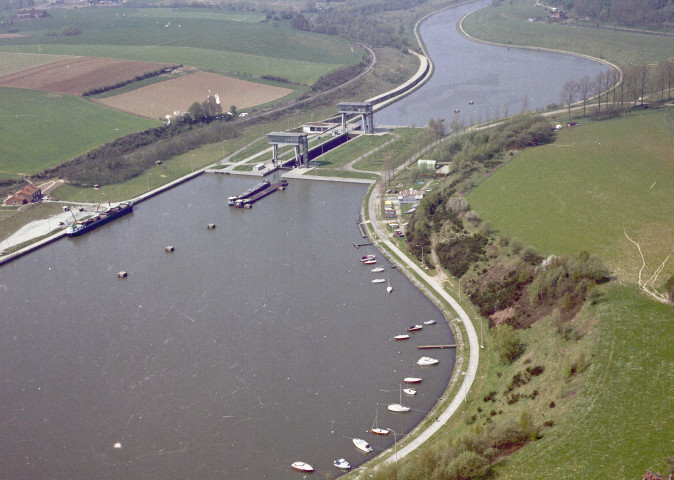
(77, 75)
(165, 98)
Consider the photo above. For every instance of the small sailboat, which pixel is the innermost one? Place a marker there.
(412, 380)
(409, 391)
(376, 430)
(429, 322)
(377, 269)
(379, 280)
(389, 288)
(399, 407)
(404, 336)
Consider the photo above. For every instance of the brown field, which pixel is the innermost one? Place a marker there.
(77, 75)
(176, 95)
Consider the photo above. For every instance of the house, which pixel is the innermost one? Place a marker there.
(28, 194)
(427, 165)
(442, 171)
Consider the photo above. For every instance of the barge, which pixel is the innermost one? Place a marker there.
(248, 202)
(231, 201)
(80, 228)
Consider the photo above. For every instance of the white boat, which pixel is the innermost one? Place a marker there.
(389, 288)
(362, 445)
(414, 328)
(302, 467)
(402, 337)
(429, 322)
(379, 280)
(376, 430)
(409, 391)
(377, 269)
(427, 361)
(372, 261)
(399, 407)
(365, 258)
(342, 464)
(412, 380)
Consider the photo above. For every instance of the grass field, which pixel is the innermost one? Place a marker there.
(620, 421)
(41, 130)
(582, 192)
(349, 151)
(131, 28)
(509, 24)
(14, 62)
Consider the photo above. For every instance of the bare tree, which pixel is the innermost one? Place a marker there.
(569, 93)
(584, 89)
(599, 86)
(610, 80)
(642, 79)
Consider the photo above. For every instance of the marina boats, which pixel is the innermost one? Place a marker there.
(376, 430)
(429, 322)
(414, 328)
(412, 380)
(231, 201)
(365, 258)
(424, 361)
(342, 464)
(302, 467)
(371, 261)
(377, 269)
(379, 280)
(409, 391)
(362, 445)
(403, 336)
(389, 288)
(399, 407)
(101, 218)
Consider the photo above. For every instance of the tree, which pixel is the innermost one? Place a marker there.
(642, 78)
(584, 89)
(507, 343)
(599, 86)
(569, 93)
(196, 111)
(232, 110)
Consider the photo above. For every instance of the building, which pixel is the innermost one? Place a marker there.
(28, 194)
(410, 196)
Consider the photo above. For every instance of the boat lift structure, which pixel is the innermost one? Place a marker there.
(358, 108)
(298, 140)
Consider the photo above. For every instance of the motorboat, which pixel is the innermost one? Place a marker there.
(430, 322)
(362, 445)
(365, 258)
(414, 328)
(409, 391)
(377, 269)
(372, 261)
(397, 408)
(302, 467)
(404, 336)
(424, 361)
(412, 380)
(379, 280)
(341, 463)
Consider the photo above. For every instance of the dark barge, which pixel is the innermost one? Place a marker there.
(231, 201)
(248, 202)
(80, 228)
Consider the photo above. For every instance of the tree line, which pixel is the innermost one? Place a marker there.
(137, 78)
(639, 82)
(622, 12)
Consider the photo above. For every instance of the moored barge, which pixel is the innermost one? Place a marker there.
(231, 201)
(248, 202)
(101, 218)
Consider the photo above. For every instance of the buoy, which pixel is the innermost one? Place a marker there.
(211, 226)
(122, 274)
(170, 248)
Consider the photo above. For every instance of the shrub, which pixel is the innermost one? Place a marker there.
(507, 343)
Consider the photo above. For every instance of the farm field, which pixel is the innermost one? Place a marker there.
(134, 28)
(77, 75)
(164, 98)
(66, 125)
(15, 62)
(595, 183)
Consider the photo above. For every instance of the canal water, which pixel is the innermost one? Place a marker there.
(499, 81)
(255, 344)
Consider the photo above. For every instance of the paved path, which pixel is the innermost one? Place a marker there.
(473, 344)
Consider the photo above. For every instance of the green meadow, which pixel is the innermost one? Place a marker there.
(15, 62)
(509, 24)
(41, 130)
(595, 183)
(183, 29)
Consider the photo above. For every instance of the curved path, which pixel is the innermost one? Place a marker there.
(473, 344)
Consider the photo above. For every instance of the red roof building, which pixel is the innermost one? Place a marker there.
(28, 194)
